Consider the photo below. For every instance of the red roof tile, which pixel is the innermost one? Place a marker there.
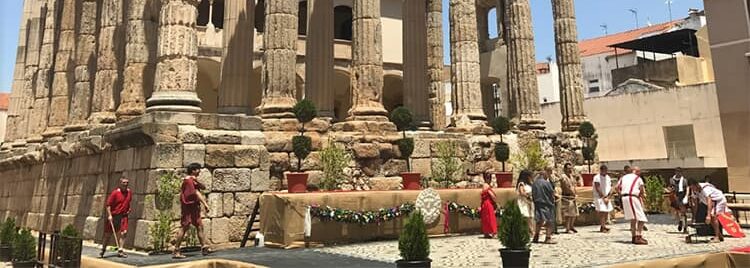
(600, 45)
(4, 101)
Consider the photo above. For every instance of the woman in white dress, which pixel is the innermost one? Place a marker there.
(524, 200)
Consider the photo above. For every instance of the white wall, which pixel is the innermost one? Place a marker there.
(549, 84)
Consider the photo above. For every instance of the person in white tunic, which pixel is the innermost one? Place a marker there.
(601, 191)
(716, 202)
(631, 189)
(525, 203)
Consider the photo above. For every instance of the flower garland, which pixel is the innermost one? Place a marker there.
(473, 213)
(360, 217)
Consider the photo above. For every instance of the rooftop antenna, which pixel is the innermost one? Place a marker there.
(635, 13)
(669, 7)
(604, 27)
(648, 21)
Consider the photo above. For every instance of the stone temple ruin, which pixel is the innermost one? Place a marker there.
(110, 88)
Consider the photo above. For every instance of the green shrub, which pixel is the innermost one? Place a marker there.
(586, 130)
(24, 246)
(406, 147)
(160, 232)
(530, 158)
(402, 118)
(305, 111)
(501, 125)
(654, 193)
(502, 153)
(448, 167)
(589, 153)
(8, 232)
(333, 159)
(302, 146)
(168, 187)
(69, 244)
(514, 229)
(413, 244)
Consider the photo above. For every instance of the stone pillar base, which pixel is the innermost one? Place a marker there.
(525, 123)
(277, 107)
(78, 126)
(174, 101)
(238, 110)
(572, 124)
(102, 118)
(370, 126)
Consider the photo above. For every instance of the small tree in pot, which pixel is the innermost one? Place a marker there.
(501, 125)
(69, 248)
(305, 112)
(403, 119)
(413, 244)
(7, 234)
(515, 237)
(24, 249)
(587, 132)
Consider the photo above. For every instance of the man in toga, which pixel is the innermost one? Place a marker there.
(631, 188)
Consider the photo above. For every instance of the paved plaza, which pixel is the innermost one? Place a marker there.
(588, 248)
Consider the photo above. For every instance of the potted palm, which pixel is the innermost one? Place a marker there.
(7, 233)
(515, 237)
(587, 131)
(501, 126)
(305, 112)
(24, 249)
(69, 248)
(403, 119)
(413, 244)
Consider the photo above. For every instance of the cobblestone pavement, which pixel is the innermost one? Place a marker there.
(588, 248)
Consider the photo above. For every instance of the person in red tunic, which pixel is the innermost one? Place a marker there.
(191, 200)
(118, 208)
(487, 212)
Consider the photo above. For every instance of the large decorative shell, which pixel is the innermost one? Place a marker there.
(429, 203)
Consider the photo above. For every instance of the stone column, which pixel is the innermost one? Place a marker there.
(569, 62)
(483, 30)
(15, 105)
(367, 63)
(64, 75)
(85, 60)
(465, 73)
(500, 18)
(140, 58)
(237, 57)
(31, 67)
(436, 92)
(177, 69)
(415, 61)
(319, 56)
(278, 76)
(42, 80)
(108, 82)
(522, 62)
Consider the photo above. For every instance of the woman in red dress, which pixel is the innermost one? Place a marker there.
(487, 212)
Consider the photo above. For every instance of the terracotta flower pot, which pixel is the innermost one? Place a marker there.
(588, 179)
(297, 182)
(411, 180)
(504, 179)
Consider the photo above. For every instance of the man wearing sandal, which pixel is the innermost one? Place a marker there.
(191, 200)
(544, 205)
(118, 208)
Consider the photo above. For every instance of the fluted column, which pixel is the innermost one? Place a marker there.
(415, 61)
(42, 79)
(319, 56)
(15, 105)
(465, 72)
(140, 58)
(85, 61)
(177, 69)
(500, 20)
(367, 62)
(436, 92)
(64, 76)
(110, 52)
(523, 61)
(279, 58)
(569, 63)
(237, 57)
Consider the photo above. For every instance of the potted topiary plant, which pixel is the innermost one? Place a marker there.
(69, 248)
(305, 112)
(24, 249)
(515, 237)
(501, 125)
(413, 244)
(7, 233)
(403, 120)
(587, 131)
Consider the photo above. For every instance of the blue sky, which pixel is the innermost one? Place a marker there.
(590, 13)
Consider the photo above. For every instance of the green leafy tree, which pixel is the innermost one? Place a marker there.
(654, 186)
(305, 112)
(448, 167)
(413, 244)
(168, 187)
(69, 244)
(530, 157)
(24, 246)
(514, 230)
(404, 120)
(8, 232)
(334, 159)
(501, 125)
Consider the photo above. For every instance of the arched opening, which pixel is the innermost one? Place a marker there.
(208, 84)
(342, 100)
(393, 92)
(492, 23)
(260, 16)
(302, 18)
(342, 22)
(203, 10)
(216, 13)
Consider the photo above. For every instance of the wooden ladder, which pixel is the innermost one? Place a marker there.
(251, 222)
